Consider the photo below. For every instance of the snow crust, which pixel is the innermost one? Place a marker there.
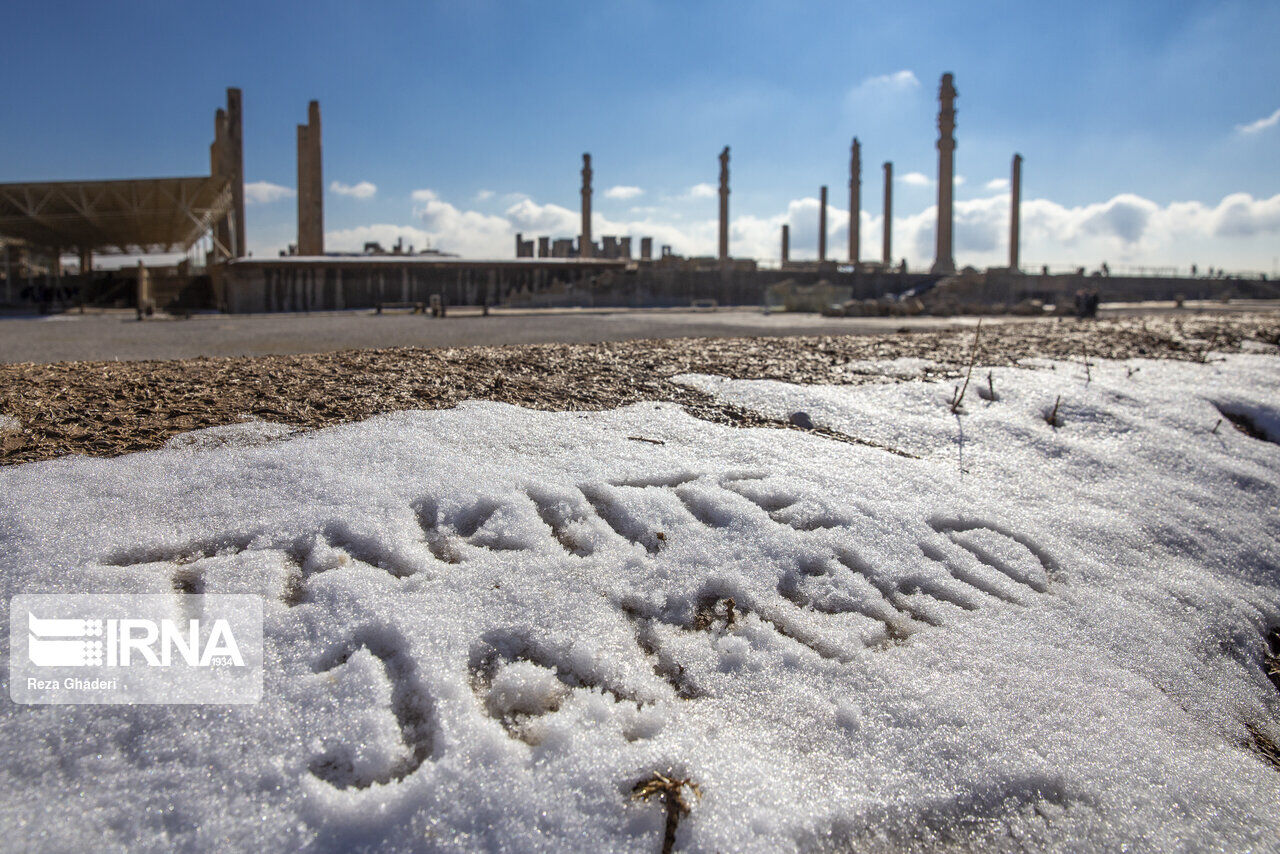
(485, 625)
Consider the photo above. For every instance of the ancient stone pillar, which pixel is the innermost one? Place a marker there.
(220, 167)
(944, 262)
(584, 238)
(235, 164)
(310, 185)
(724, 206)
(888, 214)
(786, 243)
(646, 249)
(822, 226)
(855, 201)
(1015, 212)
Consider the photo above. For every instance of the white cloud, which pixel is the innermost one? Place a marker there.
(1237, 232)
(484, 195)
(997, 184)
(363, 190)
(264, 193)
(1260, 125)
(354, 239)
(916, 179)
(880, 85)
(621, 192)
(701, 191)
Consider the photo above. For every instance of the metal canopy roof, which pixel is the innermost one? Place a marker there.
(131, 216)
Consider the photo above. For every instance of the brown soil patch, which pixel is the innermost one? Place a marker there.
(111, 408)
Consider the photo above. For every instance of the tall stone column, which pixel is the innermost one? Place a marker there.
(235, 164)
(888, 215)
(855, 201)
(585, 247)
(822, 225)
(1015, 212)
(310, 185)
(219, 167)
(944, 262)
(786, 244)
(724, 206)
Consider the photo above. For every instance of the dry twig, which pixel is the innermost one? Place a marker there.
(671, 791)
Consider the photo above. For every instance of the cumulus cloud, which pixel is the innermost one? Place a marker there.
(354, 239)
(1237, 232)
(264, 193)
(484, 195)
(623, 193)
(702, 191)
(916, 179)
(363, 190)
(997, 184)
(1260, 125)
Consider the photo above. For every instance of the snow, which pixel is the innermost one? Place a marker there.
(485, 625)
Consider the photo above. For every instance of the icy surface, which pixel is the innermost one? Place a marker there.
(246, 434)
(903, 367)
(486, 625)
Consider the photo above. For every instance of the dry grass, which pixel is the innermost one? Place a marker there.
(671, 792)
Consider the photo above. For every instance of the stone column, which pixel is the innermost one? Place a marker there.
(317, 177)
(585, 249)
(310, 185)
(234, 158)
(786, 243)
(944, 262)
(724, 206)
(1015, 212)
(220, 167)
(888, 215)
(855, 201)
(822, 225)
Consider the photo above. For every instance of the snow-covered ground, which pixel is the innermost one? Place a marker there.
(485, 625)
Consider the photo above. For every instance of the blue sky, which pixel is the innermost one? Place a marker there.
(470, 118)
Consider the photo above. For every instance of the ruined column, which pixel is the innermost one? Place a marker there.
(646, 249)
(310, 185)
(944, 262)
(219, 167)
(822, 225)
(888, 215)
(724, 206)
(585, 248)
(1015, 212)
(234, 158)
(855, 201)
(786, 244)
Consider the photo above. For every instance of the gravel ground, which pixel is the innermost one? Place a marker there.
(118, 334)
(111, 408)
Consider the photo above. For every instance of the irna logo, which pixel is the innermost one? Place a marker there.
(123, 642)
